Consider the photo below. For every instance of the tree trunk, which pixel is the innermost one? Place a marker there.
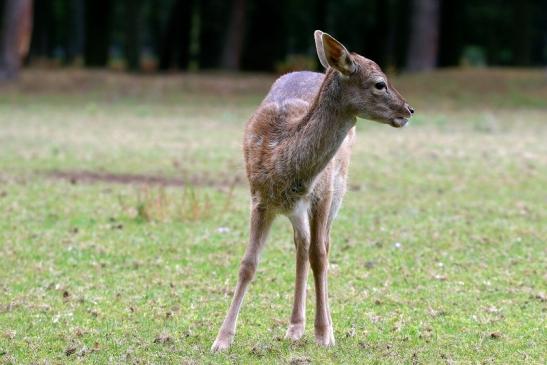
(97, 32)
(321, 14)
(390, 60)
(375, 43)
(540, 47)
(41, 42)
(231, 55)
(424, 34)
(16, 36)
(175, 48)
(451, 34)
(75, 42)
(522, 39)
(214, 20)
(133, 10)
(264, 44)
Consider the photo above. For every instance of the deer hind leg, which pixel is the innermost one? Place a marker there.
(301, 226)
(261, 221)
(319, 246)
(336, 201)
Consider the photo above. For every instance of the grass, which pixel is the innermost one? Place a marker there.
(438, 256)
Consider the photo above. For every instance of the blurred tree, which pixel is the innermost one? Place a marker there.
(451, 39)
(231, 54)
(540, 42)
(155, 20)
(490, 29)
(41, 30)
(76, 31)
(264, 35)
(175, 48)
(264, 45)
(380, 32)
(16, 35)
(354, 31)
(397, 31)
(133, 32)
(424, 34)
(321, 14)
(397, 27)
(522, 39)
(55, 25)
(300, 19)
(214, 18)
(97, 32)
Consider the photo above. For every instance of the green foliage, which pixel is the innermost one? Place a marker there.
(473, 56)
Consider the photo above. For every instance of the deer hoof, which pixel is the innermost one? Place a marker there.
(221, 344)
(325, 338)
(295, 332)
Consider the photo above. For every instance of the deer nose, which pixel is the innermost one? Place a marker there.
(410, 109)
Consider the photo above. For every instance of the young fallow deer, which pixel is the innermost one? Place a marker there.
(297, 149)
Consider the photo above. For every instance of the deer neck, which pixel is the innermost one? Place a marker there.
(322, 130)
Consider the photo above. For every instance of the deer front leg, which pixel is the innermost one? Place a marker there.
(324, 334)
(261, 221)
(301, 226)
(319, 246)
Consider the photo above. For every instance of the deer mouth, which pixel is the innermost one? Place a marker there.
(398, 122)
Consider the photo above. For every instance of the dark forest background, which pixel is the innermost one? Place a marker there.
(265, 35)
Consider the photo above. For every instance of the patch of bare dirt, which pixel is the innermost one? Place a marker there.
(39, 81)
(90, 177)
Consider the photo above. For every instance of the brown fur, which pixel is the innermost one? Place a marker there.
(297, 149)
(287, 150)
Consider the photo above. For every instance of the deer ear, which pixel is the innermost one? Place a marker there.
(320, 49)
(336, 55)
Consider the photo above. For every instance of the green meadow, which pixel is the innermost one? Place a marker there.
(124, 214)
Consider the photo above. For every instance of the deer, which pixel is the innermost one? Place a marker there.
(297, 149)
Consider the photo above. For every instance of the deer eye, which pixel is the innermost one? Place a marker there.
(380, 85)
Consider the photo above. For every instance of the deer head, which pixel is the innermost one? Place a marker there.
(367, 93)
